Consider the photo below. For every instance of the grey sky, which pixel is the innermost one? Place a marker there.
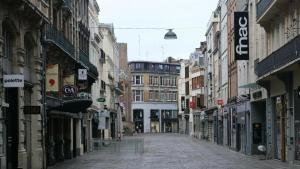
(189, 16)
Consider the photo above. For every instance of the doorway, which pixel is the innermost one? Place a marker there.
(12, 129)
(138, 117)
(74, 138)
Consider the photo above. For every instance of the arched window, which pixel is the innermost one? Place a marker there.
(28, 57)
(7, 50)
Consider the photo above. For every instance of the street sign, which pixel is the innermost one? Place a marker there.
(13, 81)
(82, 74)
(101, 99)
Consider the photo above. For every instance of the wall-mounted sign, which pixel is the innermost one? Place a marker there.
(192, 104)
(82, 74)
(241, 33)
(220, 102)
(52, 78)
(69, 90)
(13, 81)
(69, 79)
(101, 99)
(32, 110)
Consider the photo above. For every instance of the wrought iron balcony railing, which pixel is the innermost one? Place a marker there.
(284, 55)
(58, 38)
(84, 58)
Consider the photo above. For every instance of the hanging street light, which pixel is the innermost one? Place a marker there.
(170, 35)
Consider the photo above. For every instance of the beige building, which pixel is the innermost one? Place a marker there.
(154, 96)
(110, 77)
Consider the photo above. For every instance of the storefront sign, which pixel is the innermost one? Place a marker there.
(69, 79)
(13, 81)
(52, 78)
(241, 33)
(101, 99)
(69, 90)
(82, 74)
(257, 95)
(220, 102)
(32, 110)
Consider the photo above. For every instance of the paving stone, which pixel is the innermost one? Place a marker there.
(170, 151)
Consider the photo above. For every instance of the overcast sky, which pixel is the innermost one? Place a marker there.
(188, 17)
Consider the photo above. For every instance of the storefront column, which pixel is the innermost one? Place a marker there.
(269, 120)
(287, 79)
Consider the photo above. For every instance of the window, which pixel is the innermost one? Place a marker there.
(187, 88)
(153, 95)
(7, 50)
(186, 72)
(137, 95)
(137, 80)
(102, 85)
(138, 66)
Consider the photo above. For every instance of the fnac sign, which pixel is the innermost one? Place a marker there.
(241, 35)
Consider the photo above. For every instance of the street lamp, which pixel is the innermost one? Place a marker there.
(170, 35)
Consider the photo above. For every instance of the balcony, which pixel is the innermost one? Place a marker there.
(84, 59)
(267, 9)
(33, 9)
(280, 58)
(57, 38)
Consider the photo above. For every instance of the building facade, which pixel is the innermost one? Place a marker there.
(125, 81)
(21, 107)
(154, 96)
(277, 71)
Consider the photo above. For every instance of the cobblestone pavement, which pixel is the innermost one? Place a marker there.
(170, 151)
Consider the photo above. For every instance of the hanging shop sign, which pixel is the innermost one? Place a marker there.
(82, 74)
(241, 33)
(101, 99)
(13, 81)
(52, 78)
(69, 90)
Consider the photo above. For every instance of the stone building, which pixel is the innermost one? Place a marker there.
(277, 69)
(154, 96)
(69, 77)
(21, 104)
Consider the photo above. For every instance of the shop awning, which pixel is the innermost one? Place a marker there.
(72, 106)
(250, 86)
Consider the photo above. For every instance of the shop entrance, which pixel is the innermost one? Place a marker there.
(12, 129)
(138, 117)
(297, 126)
(154, 121)
(258, 118)
(280, 127)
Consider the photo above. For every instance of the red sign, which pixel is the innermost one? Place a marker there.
(192, 104)
(220, 102)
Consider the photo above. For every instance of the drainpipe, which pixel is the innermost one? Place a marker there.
(43, 83)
